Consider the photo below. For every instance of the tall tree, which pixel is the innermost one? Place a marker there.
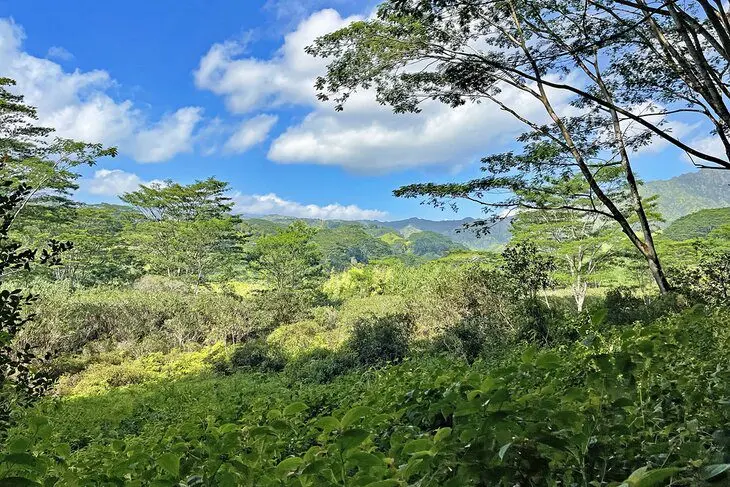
(30, 164)
(457, 52)
(45, 165)
(178, 202)
(676, 53)
(186, 231)
(579, 242)
(289, 260)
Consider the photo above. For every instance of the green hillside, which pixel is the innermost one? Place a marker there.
(454, 229)
(698, 224)
(497, 237)
(691, 192)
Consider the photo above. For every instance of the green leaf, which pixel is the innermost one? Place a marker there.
(288, 465)
(416, 445)
(354, 414)
(295, 408)
(548, 360)
(314, 467)
(273, 414)
(17, 482)
(528, 356)
(650, 478)
(384, 483)
(328, 423)
(352, 438)
(20, 459)
(713, 471)
(19, 445)
(442, 434)
(503, 450)
(364, 459)
(262, 431)
(169, 463)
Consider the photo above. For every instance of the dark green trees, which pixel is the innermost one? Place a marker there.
(186, 231)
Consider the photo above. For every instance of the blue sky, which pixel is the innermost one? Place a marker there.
(197, 88)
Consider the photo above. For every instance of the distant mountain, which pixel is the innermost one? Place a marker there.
(453, 229)
(688, 193)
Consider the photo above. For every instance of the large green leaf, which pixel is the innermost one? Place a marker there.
(288, 465)
(295, 408)
(354, 414)
(352, 438)
(170, 462)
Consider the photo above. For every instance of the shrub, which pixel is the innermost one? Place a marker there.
(70, 322)
(708, 281)
(258, 355)
(466, 339)
(320, 366)
(379, 339)
(623, 307)
(303, 337)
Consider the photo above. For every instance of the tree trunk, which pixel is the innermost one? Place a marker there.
(656, 269)
(579, 294)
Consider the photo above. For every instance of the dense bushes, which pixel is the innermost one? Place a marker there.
(381, 339)
(141, 321)
(645, 405)
(258, 355)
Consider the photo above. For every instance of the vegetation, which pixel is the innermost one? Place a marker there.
(699, 224)
(689, 193)
(184, 345)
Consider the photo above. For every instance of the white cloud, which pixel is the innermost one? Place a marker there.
(366, 137)
(60, 53)
(111, 182)
(170, 136)
(710, 144)
(270, 204)
(251, 132)
(249, 83)
(78, 106)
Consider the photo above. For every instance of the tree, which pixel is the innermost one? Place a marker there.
(580, 242)
(177, 202)
(44, 165)
(20, 379)
(99, 254)
(528, 269)
(288, 260)
(30, 165)
(432, 244)
(456, 52)
(678, 53)
(186, 231)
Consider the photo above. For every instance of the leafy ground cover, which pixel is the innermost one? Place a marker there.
(635, 406)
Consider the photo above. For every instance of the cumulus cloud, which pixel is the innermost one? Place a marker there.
(250, 133)
(113, 182)
(710, 144)
(366, 137)
(247, 83)
(269, 204)
(170, 136)
(60, 53)
(78, 106)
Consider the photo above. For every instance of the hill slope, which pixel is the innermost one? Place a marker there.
(698, 224)
(691, 192)
(499, 234)
(453, 229)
